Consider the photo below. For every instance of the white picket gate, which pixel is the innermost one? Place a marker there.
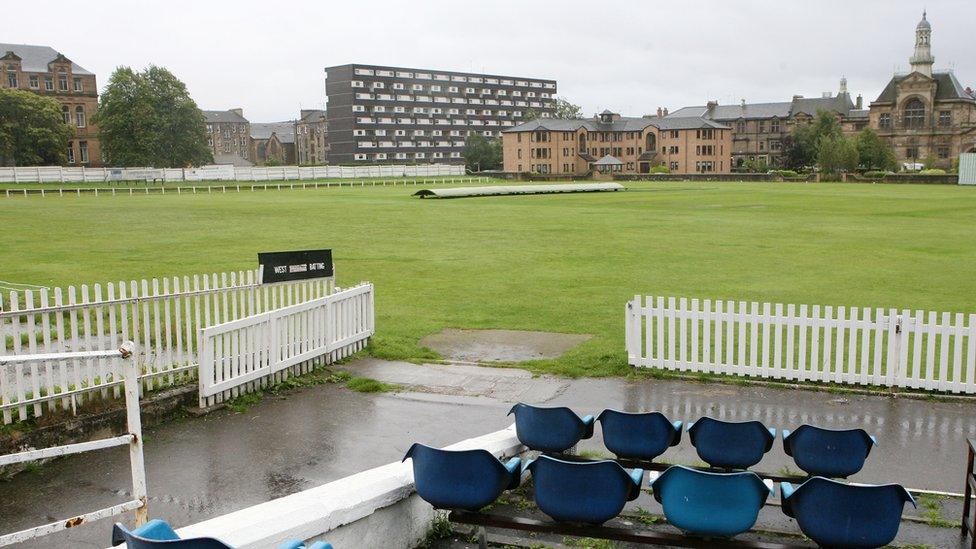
(851, 345)
(236, 354)
(162, 317)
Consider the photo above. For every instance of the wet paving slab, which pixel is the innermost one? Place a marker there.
(199, 468)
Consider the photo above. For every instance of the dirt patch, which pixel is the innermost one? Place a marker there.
(501, 345)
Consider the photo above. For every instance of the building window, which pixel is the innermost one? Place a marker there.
(740, 126)
(80, 116)
(32, 79)
(66, 114)
(914, 114)
(911, 152)
(78, 87)
(884, 121)
(673, 166)
(943, 153)
(63, 82)
(945, 118)
(49, 83)
(83, 148)
(11, 77)
(774, 126)
(71, 153)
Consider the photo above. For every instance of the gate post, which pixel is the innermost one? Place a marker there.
(134, 426)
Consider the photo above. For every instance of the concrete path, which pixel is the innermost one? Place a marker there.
(204, 467)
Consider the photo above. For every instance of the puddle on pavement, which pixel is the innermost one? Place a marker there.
(501, 345)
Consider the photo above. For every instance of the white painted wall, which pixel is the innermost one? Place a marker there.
(374, 508)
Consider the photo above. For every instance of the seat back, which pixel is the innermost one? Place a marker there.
(591, 492)
(636, 435)
(457, 479)
(710, 504)
(157, 534)
(730, 445)
(835, 514)
(828, 453)
(547, 429)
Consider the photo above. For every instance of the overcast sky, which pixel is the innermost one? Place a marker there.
(630, 57)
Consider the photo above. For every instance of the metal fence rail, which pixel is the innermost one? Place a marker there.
(852, 345)
(132, 439)
(235, 354)
(162, 317)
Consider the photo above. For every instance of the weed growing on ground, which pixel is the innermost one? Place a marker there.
(440, 528)
(368, 385)
(241, 404)
(589, 543)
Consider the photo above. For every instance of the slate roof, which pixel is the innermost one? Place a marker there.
(224, 116)
(840, 103)
(863, 113)
(622, 124)
(313, 115)
(947, 88)
(284, 130)
(36, 58)
(608, 161)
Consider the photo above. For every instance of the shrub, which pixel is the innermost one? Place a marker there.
(660, 169)
(784, 173)
(932, 171)
(875, 174)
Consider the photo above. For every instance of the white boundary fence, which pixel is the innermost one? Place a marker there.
(852, 345)
(223, 189)
(60, 174)
(162, 316)
(235, 354)
(132, 439)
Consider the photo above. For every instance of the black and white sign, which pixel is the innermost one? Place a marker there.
(297, 265)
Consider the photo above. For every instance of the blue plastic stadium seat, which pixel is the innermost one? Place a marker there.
(592, 492)
(828, 453)
(710, 504)
(157, 534)
(835, 514)
(461, 479)
(731, 445)
(638, 435)
(550, 429)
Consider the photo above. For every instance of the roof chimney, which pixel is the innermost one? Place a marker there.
(660, 112)
(710, 106)
(827, 95)
(665, 111)
(743, 102)
(860, 102)
(795, 97)
(238, 110)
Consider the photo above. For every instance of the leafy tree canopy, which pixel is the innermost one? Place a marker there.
(147, 118)
(32, 130)
(874, 152)
(801, 147)
(482, 153)
(563, 109)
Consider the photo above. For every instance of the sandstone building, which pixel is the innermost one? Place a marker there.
(274, 142)
(609, 143)
(229, 137)
(43, 70)
(311, 138)
(925, 113)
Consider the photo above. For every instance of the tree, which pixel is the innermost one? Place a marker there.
(836, 153)
(482, 153)
(562, 109)
(801, 147)
(874, 152)
(32, 130)
(148, 119)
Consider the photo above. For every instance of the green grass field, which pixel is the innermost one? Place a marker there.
(565, 263)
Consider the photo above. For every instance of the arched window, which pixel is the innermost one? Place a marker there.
(651, 142)
(80, 116)
(914, 113)
(66, 113)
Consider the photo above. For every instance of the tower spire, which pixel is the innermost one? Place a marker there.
(922, 59)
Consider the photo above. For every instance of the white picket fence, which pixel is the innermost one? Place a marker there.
(162, 316)
(850, 345)
(235, 355)
(60, 174)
